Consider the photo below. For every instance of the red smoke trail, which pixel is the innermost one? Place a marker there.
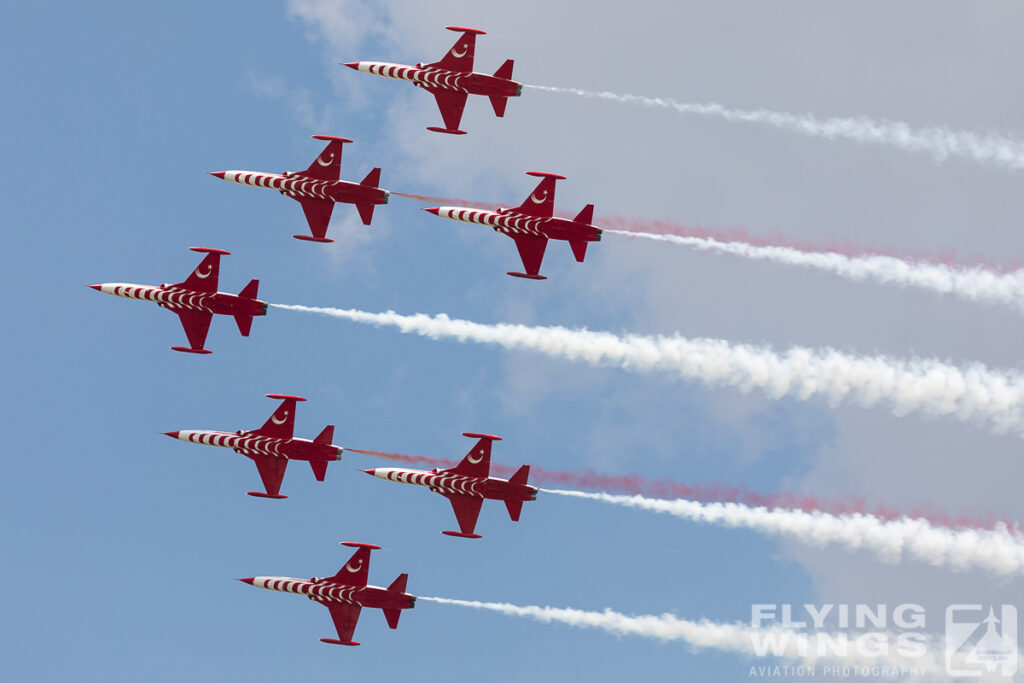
(634, 484)
(946, 257)
(450, 201)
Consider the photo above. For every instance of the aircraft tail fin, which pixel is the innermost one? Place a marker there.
(498, 103)
(372, 178)
(319, 469)
(250, 290)
(325, 437)
(505, 71)
(579, 249)
(521, 475)
(585, 216)
(399, 584)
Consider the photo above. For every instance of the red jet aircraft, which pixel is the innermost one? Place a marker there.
(532, 224)
(345, 594)
(272, 446)
(467, 484)
(452, 79)
(196, 300)
(318, 188)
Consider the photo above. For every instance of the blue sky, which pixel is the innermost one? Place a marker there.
(122, 544)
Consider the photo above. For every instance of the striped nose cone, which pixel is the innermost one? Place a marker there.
(174, 435)
(352, 65)
(248, 580)
(217, 174)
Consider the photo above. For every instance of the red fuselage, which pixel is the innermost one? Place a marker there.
(253, 444)
(178, 298)
(491, 488)
(510, 222)
(299, 186)
(437, 78)
(329, 590)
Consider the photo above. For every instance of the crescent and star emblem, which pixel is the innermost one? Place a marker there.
(465, 49)
(284, 418)
(203, 276)
(350, 568)
(330, 160)
(477, 459)
(533, 198)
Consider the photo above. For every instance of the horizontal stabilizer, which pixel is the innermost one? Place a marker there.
(498, 103)
(365, 212)
(392, 616)
(505, 71)
(579, 249)
(244, 323)
(515, 507)
(586, 216)
(319, 469)
(250, 290)
(372, 178)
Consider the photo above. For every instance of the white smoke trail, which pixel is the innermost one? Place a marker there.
(971, 393)
(978, 285)
(986, 148)
(999, 550)
(740, 638)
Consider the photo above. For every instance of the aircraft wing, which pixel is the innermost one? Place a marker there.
(196, 324)
(357, 570)
(318, 215)
(271, 471)
(281, 423)
(451, 104)
(204, 278)
(345, 618)
(467, 509)
(460, 56)
(531, 251)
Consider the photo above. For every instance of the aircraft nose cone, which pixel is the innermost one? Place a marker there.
(173, 435)
(352, 65)
(217, 174)
(247, 580)
(433, 210)
(372, 472)
(98, 288)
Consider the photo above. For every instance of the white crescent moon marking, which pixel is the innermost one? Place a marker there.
(533, 198)
(202, 276)
(478, 458)
(350, 568)
(321, 161)
(465, 49)
(284, 418)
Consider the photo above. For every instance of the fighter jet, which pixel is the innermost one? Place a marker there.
(532, 224)
(317, 188)
(345, 594)
(272, 446)
(451, 79)
(196, 300)
(467, 484)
